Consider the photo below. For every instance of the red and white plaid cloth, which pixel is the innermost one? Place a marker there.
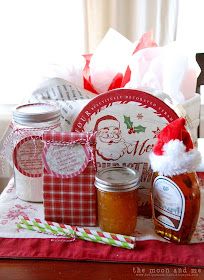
(70, 200)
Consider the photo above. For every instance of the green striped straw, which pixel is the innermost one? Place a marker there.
(118, 240)
(103, 240)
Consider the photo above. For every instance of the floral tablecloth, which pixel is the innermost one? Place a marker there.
(16, 242)
(11, 207)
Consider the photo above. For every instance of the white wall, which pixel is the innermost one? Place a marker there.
(5, 118)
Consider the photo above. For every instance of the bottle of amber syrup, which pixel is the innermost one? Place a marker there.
(175, 190)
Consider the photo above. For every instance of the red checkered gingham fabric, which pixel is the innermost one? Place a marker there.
(71, 200)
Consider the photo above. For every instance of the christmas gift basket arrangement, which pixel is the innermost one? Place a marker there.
(105, 151)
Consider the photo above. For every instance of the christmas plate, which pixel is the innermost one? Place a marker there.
(127, 124)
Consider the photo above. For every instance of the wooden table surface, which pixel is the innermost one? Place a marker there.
(63, 270)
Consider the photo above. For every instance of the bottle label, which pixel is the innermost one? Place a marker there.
(168, 203)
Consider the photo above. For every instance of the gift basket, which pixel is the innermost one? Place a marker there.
(115, 105)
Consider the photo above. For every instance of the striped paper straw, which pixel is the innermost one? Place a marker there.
(112, 239)
(103, 240)
(46, 227)
(103, 234)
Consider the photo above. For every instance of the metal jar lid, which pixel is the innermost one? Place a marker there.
(35, 113)
(117, 179)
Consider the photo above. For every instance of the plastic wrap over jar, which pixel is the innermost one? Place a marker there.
(117, 199)
(30, 121)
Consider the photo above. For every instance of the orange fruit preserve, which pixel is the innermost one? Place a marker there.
(117, 199)
(117, 211)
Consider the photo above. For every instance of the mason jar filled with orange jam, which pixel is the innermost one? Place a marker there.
(117, 199)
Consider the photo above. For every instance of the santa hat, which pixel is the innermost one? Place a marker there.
(174, 153)
(106, 121)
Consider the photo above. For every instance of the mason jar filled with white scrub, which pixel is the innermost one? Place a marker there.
(30, 121)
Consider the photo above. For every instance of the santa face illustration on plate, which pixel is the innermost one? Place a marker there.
(110, 144)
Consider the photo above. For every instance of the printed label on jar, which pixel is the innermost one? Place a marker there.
(27, 156)
(66, 161)
(168, 203)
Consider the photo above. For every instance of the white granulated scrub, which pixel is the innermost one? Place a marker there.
(29, 123)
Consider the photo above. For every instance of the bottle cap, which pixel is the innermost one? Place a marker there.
(117, 179)
(35, 113)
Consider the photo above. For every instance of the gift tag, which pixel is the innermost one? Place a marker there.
(27, 156)
(127, 124)
(65, 161)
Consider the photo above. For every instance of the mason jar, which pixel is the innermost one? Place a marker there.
(117, 199)
(29, 123)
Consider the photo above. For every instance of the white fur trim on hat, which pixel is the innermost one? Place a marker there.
(108, 123)
(175, 160)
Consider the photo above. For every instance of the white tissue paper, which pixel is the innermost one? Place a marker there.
(110, 57)
(167, 69)
(71, 70)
